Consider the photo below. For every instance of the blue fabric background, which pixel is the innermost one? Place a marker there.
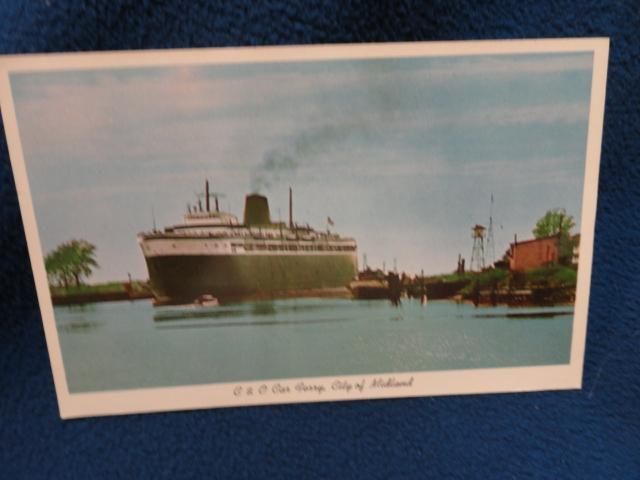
(592, 433)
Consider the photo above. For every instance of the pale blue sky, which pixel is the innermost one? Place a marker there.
(402, 154)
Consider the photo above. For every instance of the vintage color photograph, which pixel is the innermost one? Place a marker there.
(345, 220)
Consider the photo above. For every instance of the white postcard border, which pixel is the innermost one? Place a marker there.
(383, 385)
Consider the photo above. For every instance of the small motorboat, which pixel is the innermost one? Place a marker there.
(206, 300)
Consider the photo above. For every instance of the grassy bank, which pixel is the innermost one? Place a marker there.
(99, 292)
(552, 284)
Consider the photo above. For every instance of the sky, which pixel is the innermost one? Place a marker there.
(404, 155)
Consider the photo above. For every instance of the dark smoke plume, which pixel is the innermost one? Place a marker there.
(286, 159)
(274, 164)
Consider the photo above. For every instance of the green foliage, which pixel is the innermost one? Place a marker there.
(557, 222)
(488, 279)
(554, 222)
(99, 289)
(555, 276)
(565, 249)
(495, 276)
(70, 262)
(449, 277)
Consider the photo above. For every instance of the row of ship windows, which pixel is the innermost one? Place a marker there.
(234, 234)
(295, 248)
(285, 248)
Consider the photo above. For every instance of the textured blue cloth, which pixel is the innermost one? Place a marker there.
(592, 433)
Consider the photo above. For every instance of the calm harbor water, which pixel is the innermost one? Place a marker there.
(123, 345)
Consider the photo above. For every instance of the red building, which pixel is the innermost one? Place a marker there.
(534, 253)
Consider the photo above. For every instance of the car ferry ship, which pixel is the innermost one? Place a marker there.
(211, 253)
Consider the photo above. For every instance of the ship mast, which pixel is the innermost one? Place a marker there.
(290, 208)
(208, 195)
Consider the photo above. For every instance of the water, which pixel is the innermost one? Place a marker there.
(124, 345)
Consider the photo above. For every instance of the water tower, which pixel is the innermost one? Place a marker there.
(477, 254)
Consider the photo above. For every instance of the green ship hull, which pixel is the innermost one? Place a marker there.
(182, 279)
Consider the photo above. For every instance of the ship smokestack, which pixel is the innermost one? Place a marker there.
(206, 194)
(290, 208)
(256, 210)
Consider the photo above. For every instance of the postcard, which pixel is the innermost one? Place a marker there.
(251, 226)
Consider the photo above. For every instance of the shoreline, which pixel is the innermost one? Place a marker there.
(105, 297)
(101, 292)
(491, 288)
(83, 299)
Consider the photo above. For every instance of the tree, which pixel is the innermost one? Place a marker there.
(71, 261)
(57, 268)
(557, 222)
(554, 222)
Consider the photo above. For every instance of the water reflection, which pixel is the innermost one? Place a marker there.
(124, 345)
(81, 307)
(77, 318)
(525, 315)
(189, 312)
(248, 323)
(263, 308)
(78, 325)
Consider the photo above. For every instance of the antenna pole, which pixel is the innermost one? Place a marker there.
(153, 217)
(290, 208)
(490, 242)
(206, 194)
